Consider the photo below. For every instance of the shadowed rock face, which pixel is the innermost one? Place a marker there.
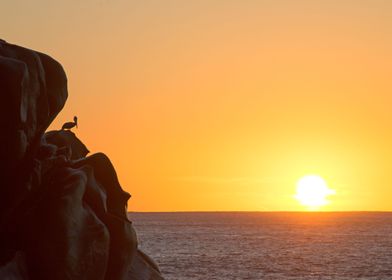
(62, 213)
(67, 140)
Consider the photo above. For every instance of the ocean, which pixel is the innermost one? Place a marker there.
(261, 245)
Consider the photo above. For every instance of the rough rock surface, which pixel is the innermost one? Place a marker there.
(62, 213)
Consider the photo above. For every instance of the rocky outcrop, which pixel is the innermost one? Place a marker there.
(62, 213)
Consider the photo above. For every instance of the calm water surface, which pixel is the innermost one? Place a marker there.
(268, 245)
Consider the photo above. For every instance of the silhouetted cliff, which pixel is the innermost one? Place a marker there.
(62, 213)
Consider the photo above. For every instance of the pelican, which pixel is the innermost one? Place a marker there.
(69, 125)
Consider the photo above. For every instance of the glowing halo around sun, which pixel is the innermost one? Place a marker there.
(312, 192)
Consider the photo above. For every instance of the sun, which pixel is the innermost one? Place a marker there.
(312, 192)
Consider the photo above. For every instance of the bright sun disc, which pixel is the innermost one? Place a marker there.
(312, 191)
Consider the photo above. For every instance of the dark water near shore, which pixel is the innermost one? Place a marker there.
(268, 245)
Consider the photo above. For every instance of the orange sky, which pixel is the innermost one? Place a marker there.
(224, 105)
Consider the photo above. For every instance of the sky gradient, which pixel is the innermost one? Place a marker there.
(224, 105)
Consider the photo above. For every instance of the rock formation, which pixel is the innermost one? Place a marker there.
(62, 213)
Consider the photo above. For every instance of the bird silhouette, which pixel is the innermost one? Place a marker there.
(69, 125)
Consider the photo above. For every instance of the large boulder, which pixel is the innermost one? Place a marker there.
(62, 212)
(33, 90)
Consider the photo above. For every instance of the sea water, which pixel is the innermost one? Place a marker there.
(259, 245)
